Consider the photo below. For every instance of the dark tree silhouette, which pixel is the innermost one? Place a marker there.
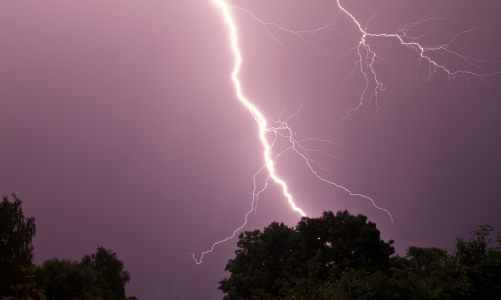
(111, 272)
(283, 253)
(16, 247)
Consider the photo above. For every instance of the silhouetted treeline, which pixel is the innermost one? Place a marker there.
(97, 276)
(342, 257)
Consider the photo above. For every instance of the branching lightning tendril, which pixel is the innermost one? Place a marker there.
(262, 123)
(364, 65)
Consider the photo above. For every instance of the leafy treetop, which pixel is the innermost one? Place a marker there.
(16, 246)
(280, 252)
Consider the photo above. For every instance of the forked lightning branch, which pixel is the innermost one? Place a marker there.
(367, 57)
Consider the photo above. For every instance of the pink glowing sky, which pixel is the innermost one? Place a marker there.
(119, 127)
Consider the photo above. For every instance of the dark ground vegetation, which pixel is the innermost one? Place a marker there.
(342, 257)
(97, 276)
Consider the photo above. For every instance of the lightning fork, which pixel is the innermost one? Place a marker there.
(258, 116)
(365, 65)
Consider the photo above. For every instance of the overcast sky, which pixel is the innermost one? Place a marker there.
(119, 126)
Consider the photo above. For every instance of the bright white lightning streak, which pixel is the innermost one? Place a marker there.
(366, 60)
(263, 124)
(419, 49)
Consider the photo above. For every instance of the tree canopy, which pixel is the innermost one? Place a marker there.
(472, 271)
(110, 272)
(98, 276)
(16, 246)
(283, 253)
(342, 257)
(65, 279)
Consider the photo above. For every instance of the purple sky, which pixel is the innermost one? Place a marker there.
(119, 126)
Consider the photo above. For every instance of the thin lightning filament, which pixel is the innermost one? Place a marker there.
(367, 58)
(269, 163)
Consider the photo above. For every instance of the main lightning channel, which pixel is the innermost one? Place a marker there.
(263, 124)
(367, 57)
(261, 120)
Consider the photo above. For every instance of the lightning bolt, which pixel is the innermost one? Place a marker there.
(364, 65)
(269, 164)
(262, 123)
(423, 52)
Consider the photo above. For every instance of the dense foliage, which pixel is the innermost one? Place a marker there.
(100, 276)
(280, 252)
(27, 291)
(16, 246)
(110, 272)
(70, 280)
(472, 271)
